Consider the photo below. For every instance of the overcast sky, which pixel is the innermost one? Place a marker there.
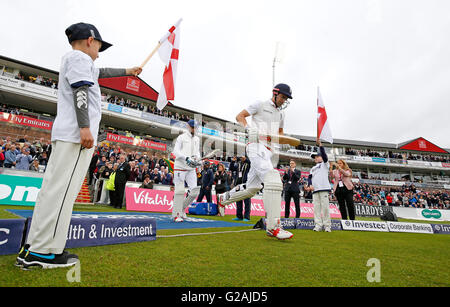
(383, 67)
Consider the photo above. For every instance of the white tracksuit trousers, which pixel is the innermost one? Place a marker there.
(66, 170)
(322, 209)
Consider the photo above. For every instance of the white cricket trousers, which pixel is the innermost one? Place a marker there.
(322, 209)
(179, 179)
(64, 175)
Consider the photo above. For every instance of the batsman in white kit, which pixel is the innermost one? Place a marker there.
(267, 119)
(187, 159)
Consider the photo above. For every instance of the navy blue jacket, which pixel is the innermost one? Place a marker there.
(207, 178)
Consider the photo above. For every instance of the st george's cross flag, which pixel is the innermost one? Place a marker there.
(168, 52)
(323, 124)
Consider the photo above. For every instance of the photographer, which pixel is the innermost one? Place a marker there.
(220, 179)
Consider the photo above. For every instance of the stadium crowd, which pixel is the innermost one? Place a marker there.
(48, 82)
(24, 154)
(404, 196)
(393, 155)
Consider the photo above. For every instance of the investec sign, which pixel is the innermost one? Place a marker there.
(364, 225)
(19, 190)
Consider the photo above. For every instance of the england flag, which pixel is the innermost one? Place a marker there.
(323, 124)
(168, 52)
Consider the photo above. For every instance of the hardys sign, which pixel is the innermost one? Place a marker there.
(19, 190)
(370, 210)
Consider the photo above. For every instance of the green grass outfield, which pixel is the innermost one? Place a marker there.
(249, 259)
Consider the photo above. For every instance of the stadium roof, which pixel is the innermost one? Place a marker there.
(422, 145)
(130, 85)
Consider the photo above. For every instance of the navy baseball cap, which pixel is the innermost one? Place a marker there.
(83, 30)
(192, 123)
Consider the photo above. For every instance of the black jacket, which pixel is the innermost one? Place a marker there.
(122, 173)
(222, 177)
(291, 181)
(207, 178)
(241, 168)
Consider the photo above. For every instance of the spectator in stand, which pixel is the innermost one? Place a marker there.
(147, 184)
(155, 176)
(167, 178)
(134, 171)
(93, 165)
(10, 157)
(34, 166)
(24, 159)
(105, 172)
(2, 157)
(389, 199)
(143, 171)
(343, 188)
(23, 139)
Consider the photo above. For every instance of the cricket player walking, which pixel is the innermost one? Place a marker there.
(187, 159)
(267, 119)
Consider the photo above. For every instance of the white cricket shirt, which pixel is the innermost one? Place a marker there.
(76, 66)
(266, 117)
(186, 145)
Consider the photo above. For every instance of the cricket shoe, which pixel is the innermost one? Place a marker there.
(327, 229)
(317, 228)
(23, 252)
(178, 219)
(49, 261)
(279, 233)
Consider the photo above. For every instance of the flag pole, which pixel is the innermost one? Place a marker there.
(150, 55)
